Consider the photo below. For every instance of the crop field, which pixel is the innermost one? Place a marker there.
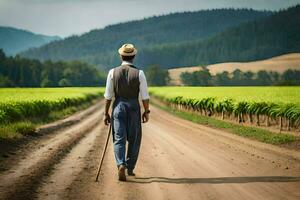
(18, 103)
(270, 105)
(258, 94)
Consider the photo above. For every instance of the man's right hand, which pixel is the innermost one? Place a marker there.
(145, 117)
(106, 119)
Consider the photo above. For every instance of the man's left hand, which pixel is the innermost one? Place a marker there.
(106, 119)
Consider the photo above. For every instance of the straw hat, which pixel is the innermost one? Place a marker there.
(127, 50)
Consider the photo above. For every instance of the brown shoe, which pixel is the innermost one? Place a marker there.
(121, 173)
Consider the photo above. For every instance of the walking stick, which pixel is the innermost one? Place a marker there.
(103, 153)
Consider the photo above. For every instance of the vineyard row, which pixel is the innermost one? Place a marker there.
(285, 116)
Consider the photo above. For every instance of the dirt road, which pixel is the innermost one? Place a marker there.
(178, 160)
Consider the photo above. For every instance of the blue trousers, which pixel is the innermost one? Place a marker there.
(126, 126)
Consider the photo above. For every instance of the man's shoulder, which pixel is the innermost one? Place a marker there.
(111, 71)
(130, 67)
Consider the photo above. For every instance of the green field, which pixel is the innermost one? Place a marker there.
(257, 94)
(279, 105)
(18, 104)
(22, 109)
(261, 106)
(48, 94)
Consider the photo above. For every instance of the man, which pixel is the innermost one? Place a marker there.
(126, 83)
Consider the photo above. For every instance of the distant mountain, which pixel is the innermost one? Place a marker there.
(260, 39)
(13, 40)
(100, 46)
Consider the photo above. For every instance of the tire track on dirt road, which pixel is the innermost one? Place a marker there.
(55, 186)
(22, 179)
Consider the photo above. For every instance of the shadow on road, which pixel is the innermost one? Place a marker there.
(218, 180)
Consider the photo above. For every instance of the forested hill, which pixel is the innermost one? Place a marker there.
(13, 40)
(264, 38)
(100, 46)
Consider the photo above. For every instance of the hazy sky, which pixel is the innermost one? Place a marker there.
(67, 17)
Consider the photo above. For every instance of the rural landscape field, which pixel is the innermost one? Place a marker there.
(22, 109)
(224, 86)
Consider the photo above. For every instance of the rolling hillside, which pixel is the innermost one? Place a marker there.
(13, 40)
(261, 39)
(99, 46)
(278, 64)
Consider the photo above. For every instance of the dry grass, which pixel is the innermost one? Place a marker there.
(175, 74)
(278, 64)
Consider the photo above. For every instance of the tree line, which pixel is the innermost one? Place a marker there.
(22, 72)
(238, 78)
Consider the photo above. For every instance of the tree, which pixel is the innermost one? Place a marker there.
(156, 76)
(197, 78)
(187, 78)
(248, 78)
(237, 77)
(2, 55)
(46, 83)
(263, 78)
(222, 79)
(275, 77)
(292, 77)
(5, 82)
(203, 77)
(64, 83)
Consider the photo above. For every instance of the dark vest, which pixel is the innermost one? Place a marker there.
(126, 82)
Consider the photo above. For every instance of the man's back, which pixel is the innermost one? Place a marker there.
(126, 82)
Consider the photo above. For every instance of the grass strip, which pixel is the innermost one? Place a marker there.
(249, 132)
(16, 130)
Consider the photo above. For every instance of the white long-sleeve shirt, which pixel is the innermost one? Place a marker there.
(109, 91)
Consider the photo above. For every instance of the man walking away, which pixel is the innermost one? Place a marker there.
(126, 83)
